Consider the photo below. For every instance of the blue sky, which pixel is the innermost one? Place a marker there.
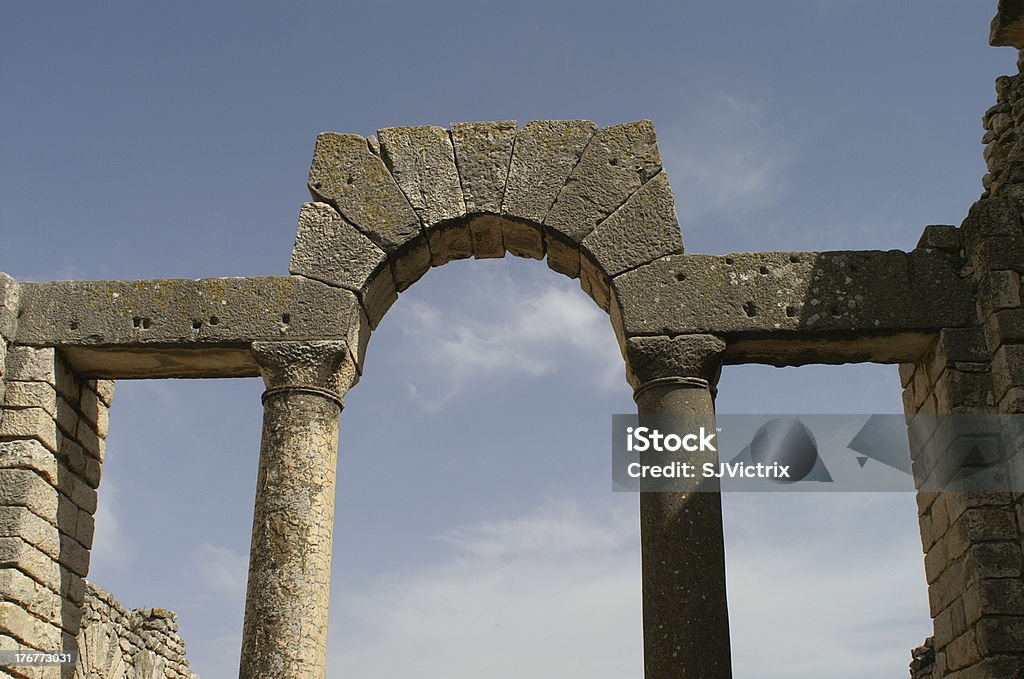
(476, 532)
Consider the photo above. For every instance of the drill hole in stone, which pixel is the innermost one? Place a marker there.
(214, 320)
(286, 319)
(795, 259)
(680, 276)
(74, 325)
(196, 324)
(729, 260)
(136, 322)
(146, 323)
(790, 311)
(750, 309)
(765, 271)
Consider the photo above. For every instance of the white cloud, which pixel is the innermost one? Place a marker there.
(818, 584)
(221, 569)
(513, 330)
(724, 160)
(557, 589)
(111, 548)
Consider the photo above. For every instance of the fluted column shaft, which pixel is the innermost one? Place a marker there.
(286, 609)
(685, 609)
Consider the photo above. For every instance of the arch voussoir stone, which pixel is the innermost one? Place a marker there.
(331, 250)
(483, 153)
(616, 163)
(644, 229)
(347, 175)
(422, 161)
(545, 153)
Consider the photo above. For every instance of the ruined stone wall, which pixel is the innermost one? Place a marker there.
(52, 430)
(139, 644)
(973, 541)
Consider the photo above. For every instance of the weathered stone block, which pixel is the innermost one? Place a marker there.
(19, 522)
(523, 239)
(617, 161)
(642, 230)
(30, 423)
(752, 298)
(35, 598)
(993, 597)
(422, 161)
(74, 556)
(31, 395)
(1000, 635)
(188, 327)
(19, 554)
(450, 241)
(486, 232)
(30, 455)
(25, 488)
(989, 218)
(329, 249)
(30, 364)
(1007, 369)
(8, 307)
(26, 628)
(940, 237)
(346, 175)
(545, 153)
(483, 153)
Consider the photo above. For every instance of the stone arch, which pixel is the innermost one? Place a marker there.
(595, 202)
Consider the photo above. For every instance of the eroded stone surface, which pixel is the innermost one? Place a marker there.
(617, 161)
(422, 161)
(347, 175)
(483, 153)
(807, 293)
(642, 230)
(329, 249)
(545, 153)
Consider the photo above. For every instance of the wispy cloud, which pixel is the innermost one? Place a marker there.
(558, 588)
(112, 549)
(724, 159)
(527, 330)
(221, 570)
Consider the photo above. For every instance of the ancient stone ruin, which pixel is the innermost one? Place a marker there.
(597, 205)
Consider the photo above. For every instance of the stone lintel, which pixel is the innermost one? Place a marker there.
(182, 327)
(802, 307)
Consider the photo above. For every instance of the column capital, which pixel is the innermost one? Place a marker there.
(324, 367)
(682, 360)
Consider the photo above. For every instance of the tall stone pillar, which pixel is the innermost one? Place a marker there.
(685, 611)
(285, 630)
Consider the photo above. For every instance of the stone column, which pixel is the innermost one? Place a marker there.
(285, 629)
(685, 611)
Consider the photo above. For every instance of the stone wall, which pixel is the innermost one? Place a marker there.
(117, 643)
(973, 541)
(52, 431)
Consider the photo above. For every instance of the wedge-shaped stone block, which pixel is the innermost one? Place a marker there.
(483, 153)
(329, 249)
(450, 241)
(523, 239)
(617, 162)
(642, 230)
(351, 178)
(486, 233)
(794, 308)
(422, 161)
(545, 153)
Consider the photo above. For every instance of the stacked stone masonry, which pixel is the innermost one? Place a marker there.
(116, 643)
(598, 206)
